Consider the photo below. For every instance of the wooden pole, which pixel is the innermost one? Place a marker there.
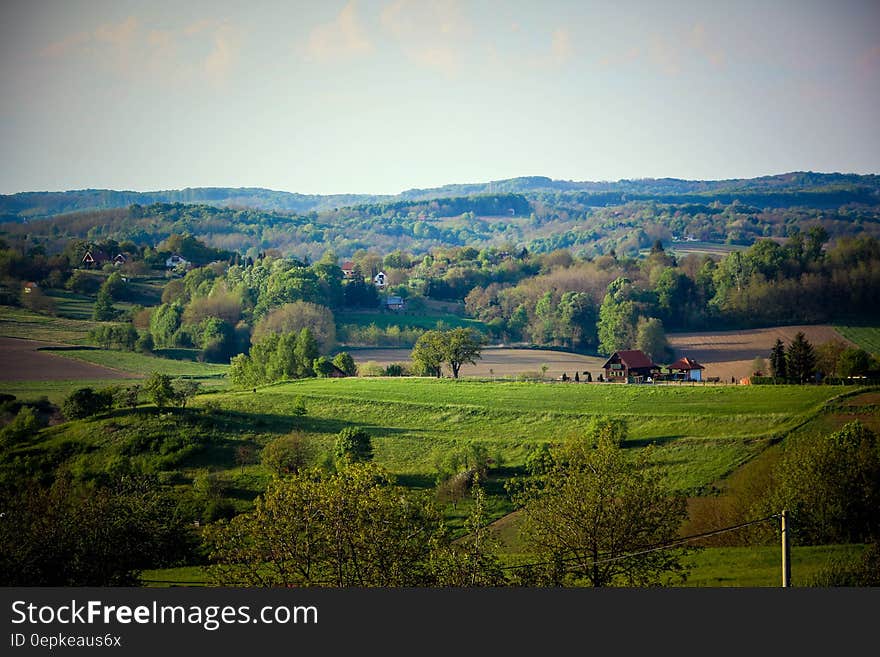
(786, 552)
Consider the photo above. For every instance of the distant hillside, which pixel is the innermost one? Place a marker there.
(796, 189)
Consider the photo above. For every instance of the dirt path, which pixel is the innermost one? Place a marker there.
(20, 361)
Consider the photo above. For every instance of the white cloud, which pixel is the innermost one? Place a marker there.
(342, 38)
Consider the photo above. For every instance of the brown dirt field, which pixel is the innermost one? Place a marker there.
(20, 361)
(725, 354)
(500, 362)
(728, 354)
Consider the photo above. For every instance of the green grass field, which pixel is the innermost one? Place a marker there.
(757, 566)
(867, 337)
(72, 305)
(21, 323)
(137, 363)
(698, 434)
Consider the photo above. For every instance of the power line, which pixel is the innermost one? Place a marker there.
(655, 548)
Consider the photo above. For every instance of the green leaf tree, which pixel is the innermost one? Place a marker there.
(595, 507)
(778, 366)
(159, 389)
(461, 346)
(429, 353)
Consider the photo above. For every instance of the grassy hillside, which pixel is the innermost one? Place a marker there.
(867, 337)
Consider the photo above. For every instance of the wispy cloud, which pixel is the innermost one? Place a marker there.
(342, 38)
(560, 46)
(434, 34)
(205, 49)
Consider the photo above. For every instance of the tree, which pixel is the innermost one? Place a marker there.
(25, 424)
(353, 445)
(831, 486)
(853, 362)
(104, 310)
(778, 367)
(462, 346)
(617, 318)
(651, 339)
(800, 359)
(294, 317)
(352, 528)
(184, 390)
(345, 362)
(594, 507)
(305, 352)
(322, 367)
(85, 402)
(159, 389)
(428, 354)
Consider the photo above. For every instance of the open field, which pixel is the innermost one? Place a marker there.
(729, 354)
(699, 433)
(143, 364)
(21, 323)
(500, 362)
(866, 337)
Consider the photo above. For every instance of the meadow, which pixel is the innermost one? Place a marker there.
(866, 337)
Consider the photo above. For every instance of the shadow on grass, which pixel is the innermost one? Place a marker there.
(633, 443)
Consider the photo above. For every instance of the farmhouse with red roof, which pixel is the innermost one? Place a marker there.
(631, 366)
(686, 369)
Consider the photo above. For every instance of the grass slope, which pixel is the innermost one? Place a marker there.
(867, 337)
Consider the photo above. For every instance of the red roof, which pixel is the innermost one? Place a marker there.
(685, 363)
(347, 265)
(633, 359)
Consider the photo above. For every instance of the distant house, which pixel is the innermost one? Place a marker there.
(631, 366)
(686, 369)
(394, 303)
(347, 269)
(337, 373)
(95, 258)
(176, 261)
(29, 287)
(119, 259)
(380, 280)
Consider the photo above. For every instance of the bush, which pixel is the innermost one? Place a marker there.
(287, 454)
(85, 402)
(864, 571)
(395, 369)
(24, 424)
(353, 445)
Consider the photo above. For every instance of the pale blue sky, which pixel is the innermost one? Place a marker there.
(378, 96)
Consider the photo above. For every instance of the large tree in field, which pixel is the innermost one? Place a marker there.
(594, 507)
(462, 346)
(617, 318)
(800, 360)
(428, 354)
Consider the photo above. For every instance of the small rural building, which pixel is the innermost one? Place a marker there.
(686, 369)
(380, 280)
(631, 366)
(95, 258)
(29, 287)
(176, 261)
(337, 373)
(347, 269)
(394, 303)
(119, 259)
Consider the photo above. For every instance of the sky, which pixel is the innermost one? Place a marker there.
(380, 96)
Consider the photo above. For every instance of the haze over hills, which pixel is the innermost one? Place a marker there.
(782, 190)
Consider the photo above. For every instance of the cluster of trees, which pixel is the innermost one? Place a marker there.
(801, 362)
(453, 347)
(69, 535)
(160, 389)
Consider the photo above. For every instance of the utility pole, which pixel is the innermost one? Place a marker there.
(786, 552)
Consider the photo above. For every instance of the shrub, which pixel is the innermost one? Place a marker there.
(287, 454)
(85, 402)
(353, 445)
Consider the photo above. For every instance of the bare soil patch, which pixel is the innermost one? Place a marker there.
(20, 360)
(727, 354)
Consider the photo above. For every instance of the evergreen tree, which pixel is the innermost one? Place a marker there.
(778, 369)
(800, 359)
